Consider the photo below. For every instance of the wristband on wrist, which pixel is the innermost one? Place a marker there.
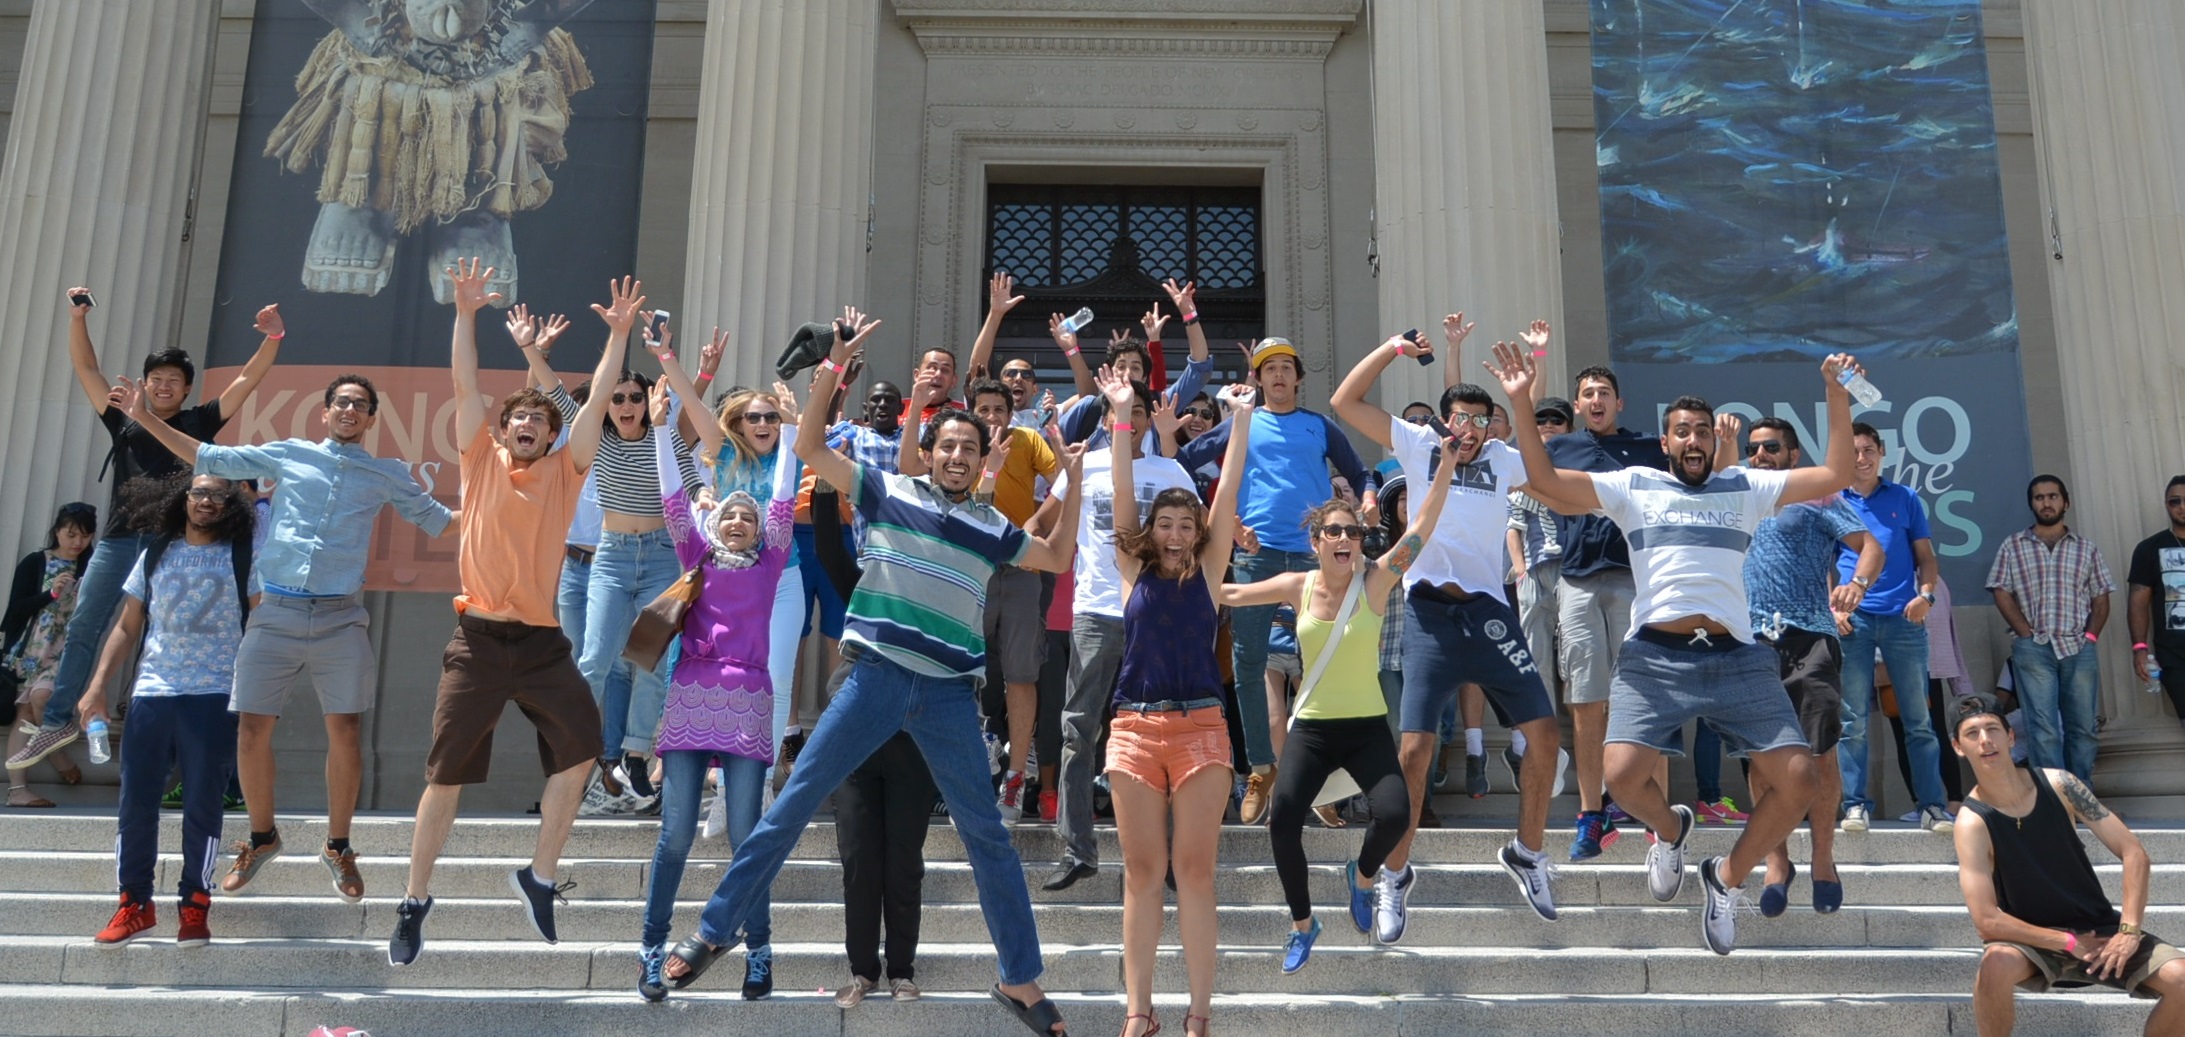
(1399, 347)
(703, 377)
(2090, 638)
(1192, 317)
(278, 337)
(1072, 351)
(1124, 426)
(830, 365)
(2139, 646)
(2071, 942)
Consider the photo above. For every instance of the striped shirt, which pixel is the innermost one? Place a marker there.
(1688, 543)
(2055, 586)
(922, 601)
(626, 478)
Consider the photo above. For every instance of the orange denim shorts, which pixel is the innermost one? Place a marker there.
(1163, 750)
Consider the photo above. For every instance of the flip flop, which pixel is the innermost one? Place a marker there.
(1041, 1015)
(695, 956)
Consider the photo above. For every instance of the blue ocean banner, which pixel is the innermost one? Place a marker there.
(1784, 179)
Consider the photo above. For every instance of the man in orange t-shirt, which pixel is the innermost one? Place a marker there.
(518, 497)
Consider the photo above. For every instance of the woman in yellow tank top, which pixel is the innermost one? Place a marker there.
(1340, 719)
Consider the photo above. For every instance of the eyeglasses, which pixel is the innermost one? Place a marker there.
(2175, 502)
(621, 398)
(200, 493)
(350, 403)
(1418, 419)
(1767, 446)
(1203, 413)
(763, 417)
(1477, 420)
(1014, 373)
(1550, 417)
(1336, 532)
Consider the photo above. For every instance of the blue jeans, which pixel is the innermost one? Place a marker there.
(97, 596)
(2049, 687)
(878, 699)
(682, 786)
(630, 570)
(1903, 647)
(1248, 634)
(569, 608)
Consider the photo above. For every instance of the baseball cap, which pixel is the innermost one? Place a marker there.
(1560, 406)
(1273, 347)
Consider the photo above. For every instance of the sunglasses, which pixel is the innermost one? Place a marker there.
(1418, 419)
(1477, 420)
(1767, 446)
(1014, 373)
(1336, 532)
(1203, 414)
(762, 417)
(621, 398)
(2175, 502)
(1550, 417)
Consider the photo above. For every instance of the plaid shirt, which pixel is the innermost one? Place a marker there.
(2055, 587)
(863, 445)
(1392, 630)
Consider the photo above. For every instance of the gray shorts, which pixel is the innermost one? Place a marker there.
(326, 641)
(1016, 626)
(1287, 664)
(1662, 683)
(1592, 615)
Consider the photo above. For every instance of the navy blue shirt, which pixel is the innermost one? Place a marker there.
(1591, 543)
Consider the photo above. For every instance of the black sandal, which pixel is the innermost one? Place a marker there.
(695, 956)
(1041, 1015)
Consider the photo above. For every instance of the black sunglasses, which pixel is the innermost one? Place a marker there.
(1550, 417)
(1418, 419)
(762, 417)
(621, 398)
(2175, 501)
(1767, 446)
(1016, 372)
(1341, 532)
(1206, 413)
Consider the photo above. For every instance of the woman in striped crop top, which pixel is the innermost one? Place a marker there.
(1168, 748)
(1340, 721)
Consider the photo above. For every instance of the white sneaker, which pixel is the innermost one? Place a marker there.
(1936, 820)
(1533, 873)
(996, 754)
(1391, 903)
(1665, 859)
(716, 816)
(631, 801)
(1856, 819)
(1562, 770)
(1010, 801)
(1718, 920)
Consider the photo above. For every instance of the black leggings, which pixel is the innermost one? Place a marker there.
(1315, 749)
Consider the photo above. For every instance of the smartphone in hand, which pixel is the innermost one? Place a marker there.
(1413, 337)
(659, 324)
(83, 299)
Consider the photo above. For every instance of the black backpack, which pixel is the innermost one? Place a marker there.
(240, 547)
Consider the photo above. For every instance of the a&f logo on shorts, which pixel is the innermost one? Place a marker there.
(1512, 649)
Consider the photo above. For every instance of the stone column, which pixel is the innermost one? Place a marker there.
(782, 179)
(2109, 114)
(95, 191)
(1464, 181)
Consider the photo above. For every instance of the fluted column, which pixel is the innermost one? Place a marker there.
(2109, 108)
(783, 173)
(1464, 179)
(94, 189)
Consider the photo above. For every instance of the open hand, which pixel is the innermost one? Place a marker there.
(1454, 330)
(470, 277)
(626, 296)
(999, 294)
(1515, 368)
(1185, 296)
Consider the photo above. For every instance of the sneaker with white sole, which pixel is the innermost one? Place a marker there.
(538, 896)
(1856, 819)
(44, 742)
(1534, 874)
(1718, 920)
(1010, 800)
(716, 815)
(1391, 903)
(1665, 859)
(1936, 820)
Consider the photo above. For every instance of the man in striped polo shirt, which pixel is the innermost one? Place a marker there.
(915, 645)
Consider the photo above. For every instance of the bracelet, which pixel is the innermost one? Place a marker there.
(278, 337)
(2139, 646)
(1124, 426)
(2071, 942)
(703, 377)
(2090, 638)
(1192, 317)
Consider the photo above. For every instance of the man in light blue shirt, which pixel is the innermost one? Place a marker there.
(311, 623)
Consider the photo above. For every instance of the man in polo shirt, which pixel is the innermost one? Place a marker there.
(1015, 624)
(915, 649)
(1891, 619)
(1691, 654)
(312, 626)
(2052, 587)
(1457, 628)
(519, 493)
(1291, 450)
(1096, 623)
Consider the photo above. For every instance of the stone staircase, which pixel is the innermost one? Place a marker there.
(290, 956)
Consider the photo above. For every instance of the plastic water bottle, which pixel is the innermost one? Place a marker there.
(94, 733)
(2154, 678)
(1076, 322)
(1859, 388)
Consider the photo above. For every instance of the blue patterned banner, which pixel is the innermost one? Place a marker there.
(1783, 179)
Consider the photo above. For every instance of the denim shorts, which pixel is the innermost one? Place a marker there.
(1664, 681)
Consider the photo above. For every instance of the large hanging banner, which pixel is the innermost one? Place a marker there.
(1784, 179)
(382, 139)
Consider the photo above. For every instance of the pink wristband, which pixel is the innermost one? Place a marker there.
(2090, 638)
(2139, 646)
(2071, 942)
(1124, 426)
(703, 376)
(1192, 317)
(278, 337)
(830, 365)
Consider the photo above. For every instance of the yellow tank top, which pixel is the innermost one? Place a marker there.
(1351, 686)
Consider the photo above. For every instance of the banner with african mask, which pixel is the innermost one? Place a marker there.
(1784, 179)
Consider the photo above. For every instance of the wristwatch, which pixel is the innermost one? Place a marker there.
(2128, 929)
(1927, 596)
(1863, 583)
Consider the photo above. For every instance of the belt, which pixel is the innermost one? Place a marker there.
(1167, 705)
(581, 555)
(1701, 641)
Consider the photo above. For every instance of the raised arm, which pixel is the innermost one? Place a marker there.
(624, 298)
(1454, 331)
(1568, 492)
(535, 338)
(1349, 401)
(469, 278)
(923, 393)
(1398, 559)
(1222, 519)
(1804, 484)
(270, 325)
(1079, 372)
(80, 354)
(687, 391)
(811, 442)
(999, 301)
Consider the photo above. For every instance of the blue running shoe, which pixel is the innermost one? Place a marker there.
(1297, 948)
(1361, 900)
(1596, 832)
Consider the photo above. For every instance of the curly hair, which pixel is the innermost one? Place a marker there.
(1319, 516)
(1140, 545)
(162, 507)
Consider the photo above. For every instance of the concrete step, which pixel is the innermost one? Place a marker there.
(1343, 963)
(487, 919)
(633, 838)
(64, 1011)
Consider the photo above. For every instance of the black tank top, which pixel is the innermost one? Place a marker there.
(2042, 876)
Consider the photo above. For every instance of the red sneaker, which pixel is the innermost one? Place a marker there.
(1049, 802)
(194, 932)
(130, 920)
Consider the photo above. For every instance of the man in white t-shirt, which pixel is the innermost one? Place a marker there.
(1691, 654)
(1457, 627)
(1096, 630)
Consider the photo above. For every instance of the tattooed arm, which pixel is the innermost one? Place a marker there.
(2111, 831)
